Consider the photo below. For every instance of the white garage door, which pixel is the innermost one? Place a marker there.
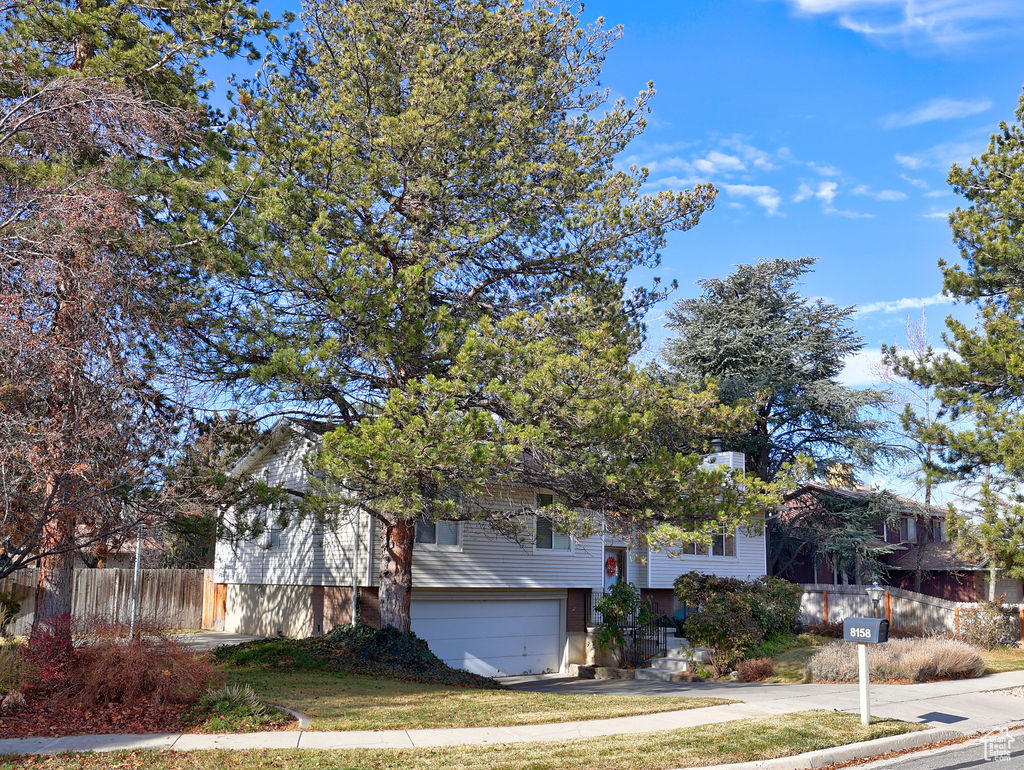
(493, 637)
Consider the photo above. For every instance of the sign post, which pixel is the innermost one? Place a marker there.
(865, 678)
(865, 631)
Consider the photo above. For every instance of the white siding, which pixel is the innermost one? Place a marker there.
(307, 553)
(747, 564)
(487, 559)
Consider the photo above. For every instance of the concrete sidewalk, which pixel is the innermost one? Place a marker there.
(388, 739)
(965, 707)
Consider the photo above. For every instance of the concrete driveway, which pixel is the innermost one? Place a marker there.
(204, 641)
(969, 705)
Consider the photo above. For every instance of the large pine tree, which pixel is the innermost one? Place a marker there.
(438, 253)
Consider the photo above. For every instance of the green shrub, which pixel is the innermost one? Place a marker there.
(734, 616)
(234, 707)
(725, 625)
(776, 605)
(354, 650)
(620, 608)
(989, 625)
(919, 660)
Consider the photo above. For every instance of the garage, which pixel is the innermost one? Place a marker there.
(492, 636)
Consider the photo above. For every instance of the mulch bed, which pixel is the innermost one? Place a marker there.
(50, 717)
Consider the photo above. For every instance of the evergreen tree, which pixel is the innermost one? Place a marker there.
(981, 383)
(440, 244)
(758, 341)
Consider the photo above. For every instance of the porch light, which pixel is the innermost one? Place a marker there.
(875, 592)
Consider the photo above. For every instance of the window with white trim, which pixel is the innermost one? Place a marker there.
(547, 537)
(722, 544)
(440, 533)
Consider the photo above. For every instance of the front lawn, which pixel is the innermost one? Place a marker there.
(790, 658)
(738, 741)
(336, 701)
(999, 660)
(361, 679)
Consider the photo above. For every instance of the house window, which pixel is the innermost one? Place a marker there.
(938, 533)
(547, 537)
(440, 533)
(908, 530)
(274, 541)
(722, 544)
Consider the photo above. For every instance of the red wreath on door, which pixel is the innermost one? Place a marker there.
(611, 566)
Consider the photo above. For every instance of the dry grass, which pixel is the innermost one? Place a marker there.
(737, 741)
(1006, 659)
(350, 702)
(915, 660)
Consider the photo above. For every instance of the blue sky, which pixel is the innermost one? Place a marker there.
(829, 127)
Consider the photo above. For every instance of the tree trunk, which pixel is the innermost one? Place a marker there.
(53, 585)
(396, 541)
(991, 584)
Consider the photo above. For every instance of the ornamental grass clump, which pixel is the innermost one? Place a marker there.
(915, 660)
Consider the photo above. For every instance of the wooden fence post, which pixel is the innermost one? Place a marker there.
(888, 608)
(956, 620)
(826, 607)
(1020, 611)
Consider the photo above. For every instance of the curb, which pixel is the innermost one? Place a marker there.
(863, 750)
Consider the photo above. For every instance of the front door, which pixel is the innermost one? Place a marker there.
(614, 567)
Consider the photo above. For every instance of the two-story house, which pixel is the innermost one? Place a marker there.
(911, 538)
(483, 602)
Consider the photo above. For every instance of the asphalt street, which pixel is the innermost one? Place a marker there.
(959, 757)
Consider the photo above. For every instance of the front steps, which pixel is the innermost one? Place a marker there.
(676, 663)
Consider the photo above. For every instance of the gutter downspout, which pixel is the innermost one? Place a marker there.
(355, 567)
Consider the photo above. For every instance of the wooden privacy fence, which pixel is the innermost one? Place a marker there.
(827, 603)
(172, 598)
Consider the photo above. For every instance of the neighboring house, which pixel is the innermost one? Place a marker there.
(920, 557)
(482, 601)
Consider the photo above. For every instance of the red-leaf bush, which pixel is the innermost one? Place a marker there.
(107, 668)
(755, 670)
(152, 670)
(47, 656)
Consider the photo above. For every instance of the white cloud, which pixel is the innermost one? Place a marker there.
(673, 183)
(935, 23)
(919, 183)
(906, 303)
(764, 196)
(942, 155)
(936, 109)
(935, 215)
(879, 195)
(825, 192)
(754, 156)
(823, 169)
(860, 369)
(718, 162)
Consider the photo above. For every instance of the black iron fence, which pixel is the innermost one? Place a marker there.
(644, 630)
